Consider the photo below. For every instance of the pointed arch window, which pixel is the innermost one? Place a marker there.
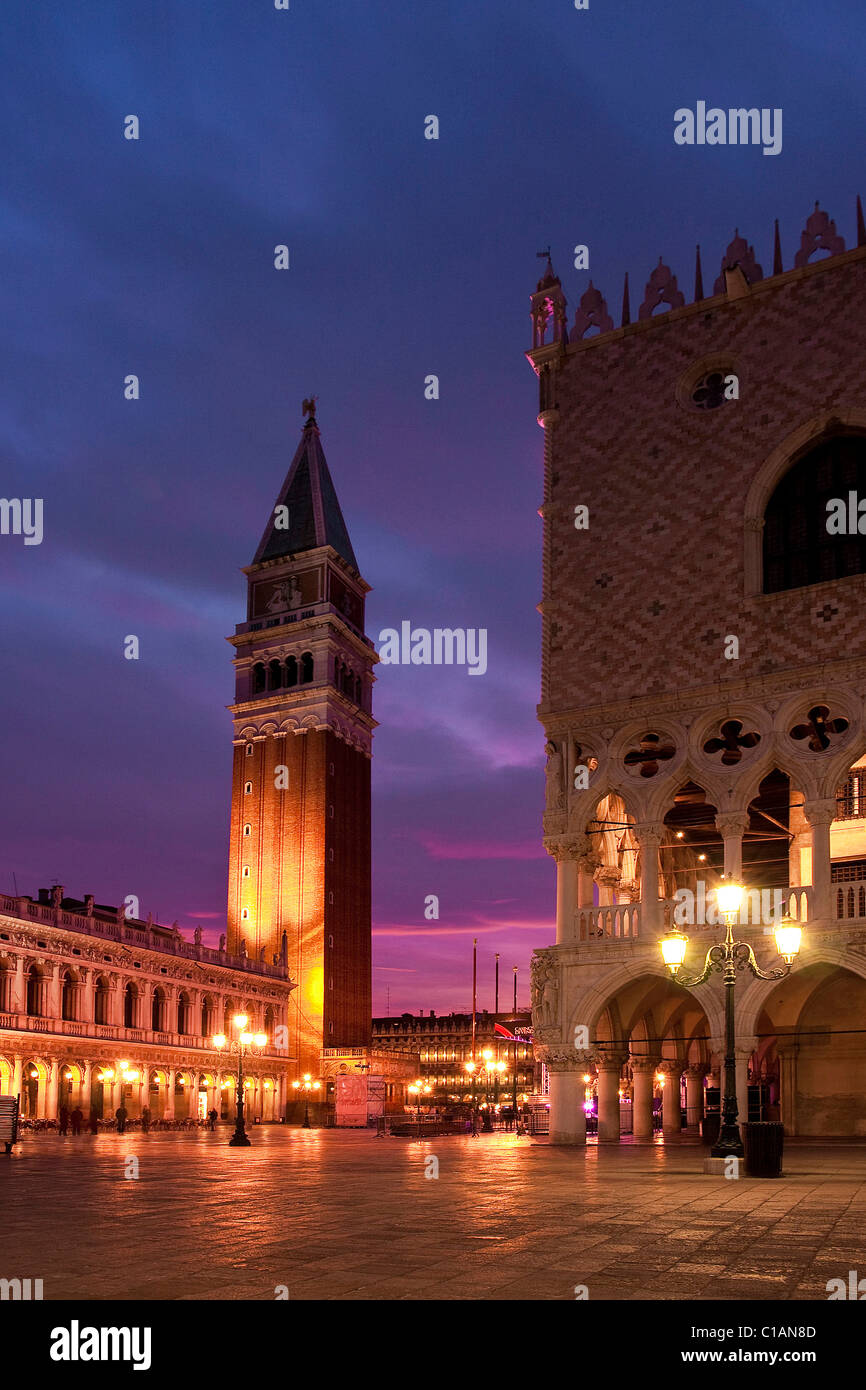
(811, 531)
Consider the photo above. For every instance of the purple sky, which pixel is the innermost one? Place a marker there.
(408, 257)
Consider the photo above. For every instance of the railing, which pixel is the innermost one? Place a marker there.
(26, 1023)
(761, 908)
(143, 937)
(618, 923)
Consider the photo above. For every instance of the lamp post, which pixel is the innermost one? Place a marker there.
(417, 1089)
(470, 1067)
(730, 957)
(307, 1085)
(243, 1043)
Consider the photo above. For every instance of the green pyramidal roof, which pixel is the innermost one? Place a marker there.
(315, 518)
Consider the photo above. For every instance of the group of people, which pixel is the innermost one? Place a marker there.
(75, 1118)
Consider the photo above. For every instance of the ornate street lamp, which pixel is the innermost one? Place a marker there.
(730, 957)
(417, 1089)
(243, 1043)
(307, 1085)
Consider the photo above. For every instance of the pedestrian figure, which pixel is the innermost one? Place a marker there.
(93, 1122)
(211, 1119)
(145, 1120)
(64, 1119)
(76, 1117)
(120, 1116)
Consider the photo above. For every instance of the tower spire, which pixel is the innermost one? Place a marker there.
(307, 513)
(699, 279)
(861, 225)
(626, 309)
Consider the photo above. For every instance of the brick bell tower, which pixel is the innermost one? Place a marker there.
(299, 859)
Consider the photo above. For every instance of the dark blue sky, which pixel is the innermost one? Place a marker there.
(408, 257)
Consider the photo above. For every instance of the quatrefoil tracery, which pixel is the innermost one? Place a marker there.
(819, 729)
(732, 742)
(651, 751)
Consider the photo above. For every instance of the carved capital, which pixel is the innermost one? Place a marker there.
(820, 812)
(649, 832)
(673, 1070)
(732, 823)
(560, 1059)
(610, 1061)
(642, 1065)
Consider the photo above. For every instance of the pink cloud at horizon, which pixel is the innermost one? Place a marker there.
(438, 847)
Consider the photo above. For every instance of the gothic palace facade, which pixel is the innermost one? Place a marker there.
(703, 685)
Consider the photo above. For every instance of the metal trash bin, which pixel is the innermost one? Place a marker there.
(710, 1126)
(763, 1142)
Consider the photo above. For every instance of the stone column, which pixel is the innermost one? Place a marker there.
(732, 826)
(798, 828)
(281, 1083)
(50, 1111)
(649, 837)
(607, 879)
(672, 1122)
(168, 1110)
(52, 1004)
(695, 1095)
(743, 1052)
(192, 1098)
(643, 1074)
(609, 1069)
(787, 1053)
(566, 892)
(87, 1010)
(820, 815)
(17, 1069)
(567, 1092)
(586, 867)
(19, 987)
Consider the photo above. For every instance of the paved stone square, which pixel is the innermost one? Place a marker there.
(344, 1215)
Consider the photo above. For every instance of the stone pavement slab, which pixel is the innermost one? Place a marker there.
(343, 1215)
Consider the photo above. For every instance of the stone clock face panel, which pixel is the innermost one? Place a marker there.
(273, 597)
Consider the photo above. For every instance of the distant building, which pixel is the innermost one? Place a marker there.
(97, 1009)
(443, 1045)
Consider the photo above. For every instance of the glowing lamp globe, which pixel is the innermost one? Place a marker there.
(788, 936)
(261, 1039)
(240, 1020)
(729, 896)
(674, 950)
(245, 1038)
(219, 1040)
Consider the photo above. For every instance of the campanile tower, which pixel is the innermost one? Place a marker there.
(299, 859)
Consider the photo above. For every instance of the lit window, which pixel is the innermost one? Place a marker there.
(248, 830)
(245, 912)
(248, 786)
(246, 870)
(249, 750)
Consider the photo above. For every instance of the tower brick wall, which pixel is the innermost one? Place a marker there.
(299, 856)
